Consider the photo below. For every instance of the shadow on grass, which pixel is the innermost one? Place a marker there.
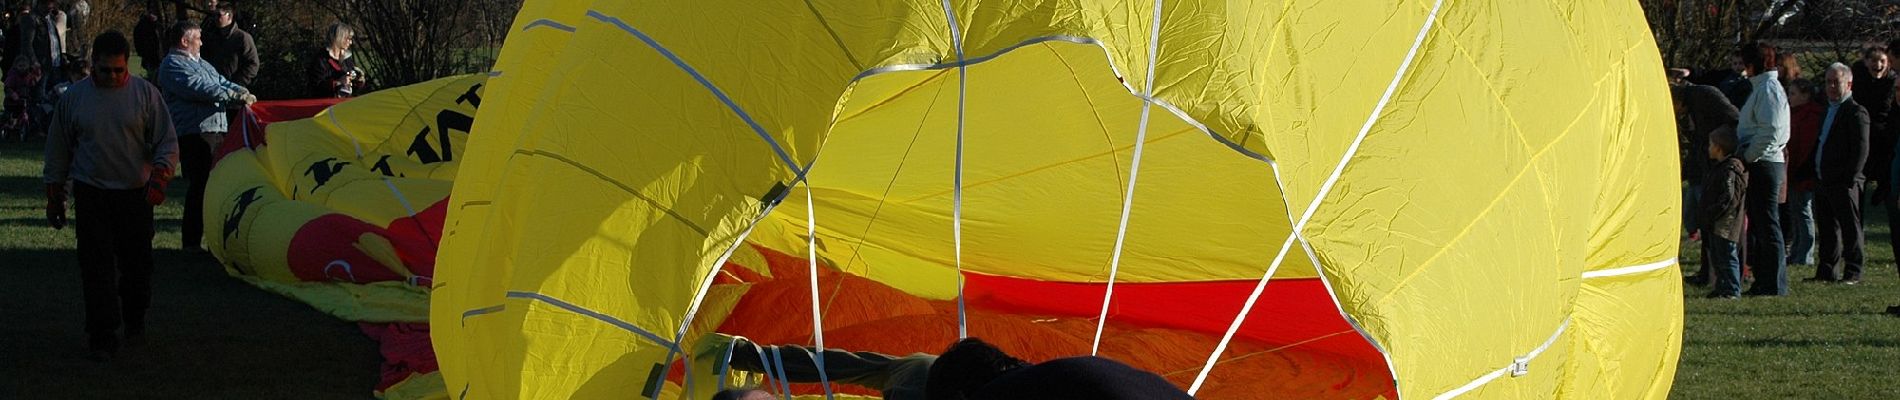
(210, 336)
(159, 225)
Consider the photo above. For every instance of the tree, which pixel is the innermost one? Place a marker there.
(1701, 34)
(411, 41)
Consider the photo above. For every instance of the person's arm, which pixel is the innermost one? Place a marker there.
(360, 81)
(247, 63)
(161, 134)
(60, 140)
(176, 77)
(323, 80)
(1745, 127)
(163, 140)
(1860, 131)
(1769, 124)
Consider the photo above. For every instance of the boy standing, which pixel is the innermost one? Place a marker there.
(1722, 197)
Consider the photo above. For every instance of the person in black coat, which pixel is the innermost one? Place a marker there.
(1840, 158)
(1700, 110)
(229, 49)
(1873, 86)
(335, 74)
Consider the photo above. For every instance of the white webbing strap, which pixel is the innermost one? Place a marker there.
(1327, 187)
(956, 197)
(778, 366)
(1247, 308)
(1519, 366)
(817, 317)
(1134, 171)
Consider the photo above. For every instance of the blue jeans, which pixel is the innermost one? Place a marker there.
(1724, 263)
(1766, 252)
(1798, 226)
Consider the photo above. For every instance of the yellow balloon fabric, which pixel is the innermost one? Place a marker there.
(340, 209)
(1486, 188)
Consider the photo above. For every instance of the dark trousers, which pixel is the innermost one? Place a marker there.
(1837, 217)
(1766, 252)
(1724, 263)
(1892, 203)
(194, 151)
(899, 378)
(115, 260)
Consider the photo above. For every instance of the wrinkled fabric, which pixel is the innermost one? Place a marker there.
(1474, 184)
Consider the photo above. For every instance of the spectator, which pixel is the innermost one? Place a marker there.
(1763, 134)
(1736, 87)
(111, 141)
(1789, 68)
(1875, 76)
(1699, 110)
(26, 32)
(56, 26)
(230, 49)
(1838, 160)
(48, 41)
(9, 42)
(1722, 204)
(147, 39)
(1805, 117)
(335, 73)
(77, 69)
(76, 19)
(197, 97)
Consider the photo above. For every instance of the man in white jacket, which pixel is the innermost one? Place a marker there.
(1763, 133)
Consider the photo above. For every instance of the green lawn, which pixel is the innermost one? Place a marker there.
(1823, 342)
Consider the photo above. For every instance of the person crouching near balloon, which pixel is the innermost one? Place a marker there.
(1723, 188)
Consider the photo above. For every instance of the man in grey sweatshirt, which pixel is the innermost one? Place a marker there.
(112, 140)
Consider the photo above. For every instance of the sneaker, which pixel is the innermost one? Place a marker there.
(1721, 296)
(1893, 310)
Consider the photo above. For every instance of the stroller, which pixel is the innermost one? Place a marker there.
(21, 117)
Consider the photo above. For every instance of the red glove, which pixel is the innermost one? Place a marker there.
(56, 205)
(155, 187)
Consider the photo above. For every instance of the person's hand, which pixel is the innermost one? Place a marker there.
(56, 205)
(241, 91)
(155, 186)
(248, 99)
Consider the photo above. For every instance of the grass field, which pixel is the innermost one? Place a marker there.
(1825, 341)
(215, 337)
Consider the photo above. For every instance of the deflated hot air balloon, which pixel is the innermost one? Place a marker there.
(343, 210)
(1331, 199)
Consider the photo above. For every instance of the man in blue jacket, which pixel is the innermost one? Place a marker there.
(197, 96)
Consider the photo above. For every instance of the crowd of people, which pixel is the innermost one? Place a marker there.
(37, 58)
(114, 141)
(1778, 168)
